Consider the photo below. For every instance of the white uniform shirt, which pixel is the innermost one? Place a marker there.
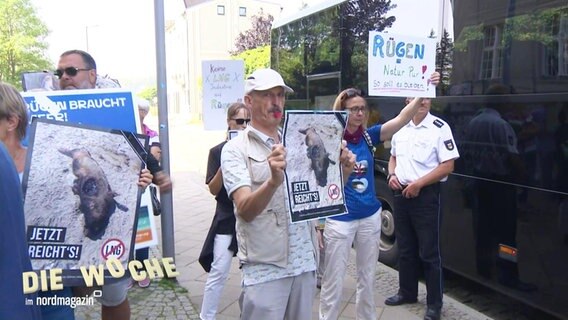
(420, 148)
(300, 255)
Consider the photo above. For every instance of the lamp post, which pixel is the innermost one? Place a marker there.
(87, 35)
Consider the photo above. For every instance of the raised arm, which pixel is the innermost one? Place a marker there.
(406, 114)
(250, 204)
(393, 125)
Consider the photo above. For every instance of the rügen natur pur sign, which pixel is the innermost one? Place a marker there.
(400, 66)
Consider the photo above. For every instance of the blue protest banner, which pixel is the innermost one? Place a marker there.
(105, 108)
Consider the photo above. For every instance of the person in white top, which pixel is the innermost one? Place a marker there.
(422, 155)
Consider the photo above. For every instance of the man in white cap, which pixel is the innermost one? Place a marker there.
(277, 258)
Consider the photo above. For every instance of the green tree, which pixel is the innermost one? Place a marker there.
(22, 41)
(444, 56)
(359, 17)
(149, 93)
(255, 58)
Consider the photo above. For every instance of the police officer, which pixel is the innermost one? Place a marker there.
(422, 156)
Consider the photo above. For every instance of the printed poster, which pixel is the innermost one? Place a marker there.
(314, 180)
(81, 197)
(146, 233)
(223, 84)
(106, 108)
(400, 66)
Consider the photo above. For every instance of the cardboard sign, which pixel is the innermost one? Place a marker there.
(400, 66)
(314, 179)
(81, 196)
(223, 84)
(105, 108)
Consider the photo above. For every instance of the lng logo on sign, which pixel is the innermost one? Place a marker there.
(334, 192)
(113, 248)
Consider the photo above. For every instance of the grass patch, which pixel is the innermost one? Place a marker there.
(169, 284)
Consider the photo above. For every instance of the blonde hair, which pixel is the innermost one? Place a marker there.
(349, 93)
(13, 105)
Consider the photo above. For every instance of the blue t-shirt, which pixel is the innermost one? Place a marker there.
(14, 258)
(360, 189)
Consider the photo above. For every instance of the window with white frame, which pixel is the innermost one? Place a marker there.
(242, 11)
(556, 52)
(221, 10)
(492, 55)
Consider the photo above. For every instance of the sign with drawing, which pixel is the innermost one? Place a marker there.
(314, 180)
(400, 66)
(81, 196)
(223, 84)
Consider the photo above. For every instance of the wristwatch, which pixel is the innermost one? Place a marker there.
(389, 176)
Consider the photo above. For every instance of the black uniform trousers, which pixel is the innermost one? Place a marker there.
(417, 221)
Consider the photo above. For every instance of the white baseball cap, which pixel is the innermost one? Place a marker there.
(264, 79)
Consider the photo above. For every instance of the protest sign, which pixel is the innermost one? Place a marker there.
(223, 84)
(81, 196)
(314, 180)
(105, 108)
(146, 233)
(400, 66)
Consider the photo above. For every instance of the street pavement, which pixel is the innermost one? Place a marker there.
(193, 208)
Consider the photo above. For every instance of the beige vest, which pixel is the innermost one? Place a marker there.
(264, 239)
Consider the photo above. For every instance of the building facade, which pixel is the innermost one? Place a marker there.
(205, 31)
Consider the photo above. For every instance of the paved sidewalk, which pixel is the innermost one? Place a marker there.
(193, 210)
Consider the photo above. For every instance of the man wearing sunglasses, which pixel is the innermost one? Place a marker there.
(78, 70)
(277, 257)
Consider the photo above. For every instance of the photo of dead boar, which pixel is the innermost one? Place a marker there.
(317, 154)
(96, 197)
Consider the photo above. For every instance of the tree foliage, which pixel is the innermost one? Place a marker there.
(331, 40)
(360, 17)
(532, 26)
(444, 56)
(22, 41)
(148, 93)
(257, 36)
(255, 58)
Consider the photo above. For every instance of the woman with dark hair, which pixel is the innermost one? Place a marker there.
(221, 242)
(361, 226)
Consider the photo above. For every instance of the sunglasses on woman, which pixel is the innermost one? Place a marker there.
(241, 121)
(352, 92)
(71, 71)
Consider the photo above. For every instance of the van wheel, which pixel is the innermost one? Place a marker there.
(388, 246)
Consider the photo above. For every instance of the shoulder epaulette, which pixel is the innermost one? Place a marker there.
(438, 123)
